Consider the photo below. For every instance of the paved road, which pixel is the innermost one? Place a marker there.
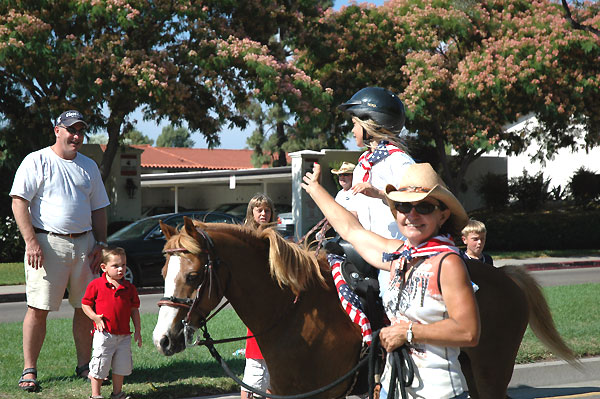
(583, 275)
(15, 311)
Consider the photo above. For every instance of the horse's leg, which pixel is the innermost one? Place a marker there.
(467, 370)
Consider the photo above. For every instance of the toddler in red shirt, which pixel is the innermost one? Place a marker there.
(111, 301)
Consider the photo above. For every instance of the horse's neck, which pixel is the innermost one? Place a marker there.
(254, 295)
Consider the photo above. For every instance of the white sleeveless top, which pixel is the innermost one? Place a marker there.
(437, 369)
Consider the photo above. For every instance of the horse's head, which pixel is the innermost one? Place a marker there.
(189, 273)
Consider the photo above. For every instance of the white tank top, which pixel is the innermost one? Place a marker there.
(437, 369)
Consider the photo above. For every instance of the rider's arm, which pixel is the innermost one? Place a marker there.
(347, 225)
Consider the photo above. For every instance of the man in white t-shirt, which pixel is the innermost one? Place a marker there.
(59, 202)
(344, 174)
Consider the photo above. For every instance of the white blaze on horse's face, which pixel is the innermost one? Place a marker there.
(166, 314)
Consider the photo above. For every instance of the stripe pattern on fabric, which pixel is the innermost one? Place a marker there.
(350, 301)
(437, 244)
(368, 159)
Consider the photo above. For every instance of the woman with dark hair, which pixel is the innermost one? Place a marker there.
(430, 300)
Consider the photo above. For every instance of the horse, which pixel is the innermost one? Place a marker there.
(285, 294)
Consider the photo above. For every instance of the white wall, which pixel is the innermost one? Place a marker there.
(560, 168)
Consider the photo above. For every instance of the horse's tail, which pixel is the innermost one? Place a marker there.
(540, 317)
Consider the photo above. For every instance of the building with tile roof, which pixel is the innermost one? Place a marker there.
(178, 159)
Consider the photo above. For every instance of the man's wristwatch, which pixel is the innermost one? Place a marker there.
(102, 244)
(409, 333)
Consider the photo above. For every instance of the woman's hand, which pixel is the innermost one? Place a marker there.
(311, 179)
(394, 336)
(367, 189)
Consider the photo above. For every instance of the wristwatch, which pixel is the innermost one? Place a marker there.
(102, 244)
(409, 333)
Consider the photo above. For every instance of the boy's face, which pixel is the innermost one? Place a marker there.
(345, 180)
(116, 266)
(475, 243)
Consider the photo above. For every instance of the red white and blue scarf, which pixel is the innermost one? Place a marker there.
(368, 159)
(436, 245)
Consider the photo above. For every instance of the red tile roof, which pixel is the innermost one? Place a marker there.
(193, 158)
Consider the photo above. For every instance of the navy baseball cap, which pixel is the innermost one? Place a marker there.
(69, 118)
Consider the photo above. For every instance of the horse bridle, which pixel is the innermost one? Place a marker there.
(207, 281)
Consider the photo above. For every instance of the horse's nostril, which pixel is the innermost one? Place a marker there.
(164, 342)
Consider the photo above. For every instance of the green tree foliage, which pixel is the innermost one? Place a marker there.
(97, 139)
(134, 136)
(465, 69)
(174, 137)
(201, 63)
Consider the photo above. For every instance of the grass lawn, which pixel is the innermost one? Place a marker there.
(189, 373)
(193, 372)
(12, 273)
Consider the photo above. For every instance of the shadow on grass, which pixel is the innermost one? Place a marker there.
(181, 369)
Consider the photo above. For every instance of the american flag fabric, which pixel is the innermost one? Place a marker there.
(368, 159)
(437, 244)
(350, 301)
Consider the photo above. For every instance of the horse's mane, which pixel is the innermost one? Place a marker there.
(289, 264)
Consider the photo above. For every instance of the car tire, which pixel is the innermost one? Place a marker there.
(133, 275)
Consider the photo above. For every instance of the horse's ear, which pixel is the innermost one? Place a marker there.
(188, 226)
(167, 230)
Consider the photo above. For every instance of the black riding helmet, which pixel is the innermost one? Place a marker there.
(378, 104)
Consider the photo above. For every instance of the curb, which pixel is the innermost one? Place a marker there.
(562, 265)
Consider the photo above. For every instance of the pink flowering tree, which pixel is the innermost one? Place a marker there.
(465, 70)
(196, 63)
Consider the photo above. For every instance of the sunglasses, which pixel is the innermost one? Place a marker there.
(74, 131)
(424, 208)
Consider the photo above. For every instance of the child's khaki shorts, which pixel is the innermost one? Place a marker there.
(110, 350)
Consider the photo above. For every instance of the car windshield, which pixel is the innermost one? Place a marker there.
(136, 229)
(143, 227)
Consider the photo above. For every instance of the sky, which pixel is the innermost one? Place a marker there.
(230, 138)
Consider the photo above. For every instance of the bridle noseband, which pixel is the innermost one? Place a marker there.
(208, 279)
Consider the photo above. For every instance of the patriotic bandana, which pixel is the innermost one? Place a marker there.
(350, 301)
(368, 159)
(437, 244)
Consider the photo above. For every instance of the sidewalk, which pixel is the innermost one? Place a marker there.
(16, 293)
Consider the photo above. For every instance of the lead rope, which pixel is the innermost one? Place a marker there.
(402, 369)
(208, 342)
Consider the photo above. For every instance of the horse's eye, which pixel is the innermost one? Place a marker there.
(192, 277)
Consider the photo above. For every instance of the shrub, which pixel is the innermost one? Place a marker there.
(567, 228)
(493, 189)
(12, 247)
(584, 186)
(529, 192)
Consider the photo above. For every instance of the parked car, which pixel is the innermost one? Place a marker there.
(285, 225)
(240, 208)
(143, 241)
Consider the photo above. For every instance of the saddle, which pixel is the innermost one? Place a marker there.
(362, 279)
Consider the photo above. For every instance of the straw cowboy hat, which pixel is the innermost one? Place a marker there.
(421, 181)
(346, 168)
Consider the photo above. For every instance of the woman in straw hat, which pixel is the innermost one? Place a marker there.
(430, 300)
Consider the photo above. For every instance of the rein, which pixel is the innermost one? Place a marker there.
(401, 361)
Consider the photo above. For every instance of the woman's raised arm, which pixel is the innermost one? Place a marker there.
(369, 245)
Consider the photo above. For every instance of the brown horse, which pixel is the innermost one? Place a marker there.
(286, 296)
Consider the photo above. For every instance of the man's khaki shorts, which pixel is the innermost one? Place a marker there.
(110, 350)
(66, 265)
